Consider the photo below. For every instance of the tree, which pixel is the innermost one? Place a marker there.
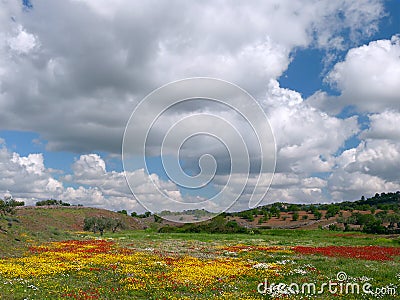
(275, 211)
(295, 216)
(392, 219)
(145, 215)
(374, 226)
(101, 224)
(317, 215)
(114, 224)
(7, 206)
(332, 211)
(293, 207)
(312, 208)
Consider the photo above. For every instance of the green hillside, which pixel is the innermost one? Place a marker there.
(50, 223)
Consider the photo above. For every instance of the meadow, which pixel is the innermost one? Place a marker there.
(143, 264)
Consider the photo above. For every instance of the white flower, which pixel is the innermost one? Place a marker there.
(230, 253)
(32, 287)
(285, 261)
(300, 271)
(261, 266)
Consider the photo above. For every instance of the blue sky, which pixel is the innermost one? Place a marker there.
(326, 75)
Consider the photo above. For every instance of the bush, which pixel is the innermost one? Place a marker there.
(334, 227)
(332, 211)
(375, 227)
(317, 215)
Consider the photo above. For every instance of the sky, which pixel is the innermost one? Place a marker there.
(325, 73)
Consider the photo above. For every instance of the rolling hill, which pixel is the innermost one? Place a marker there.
(32, 224)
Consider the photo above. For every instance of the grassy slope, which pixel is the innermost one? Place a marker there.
(40, 224)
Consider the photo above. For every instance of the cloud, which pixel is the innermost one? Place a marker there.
(85, 73)
(285, 187)
(307, 138)
(89, 166)
(373, 165)
(24, 42)
(369, 77)
(349, 186)
(76, 82)
(379, 158)
(27, 179)
(383, 125)
(33, 163)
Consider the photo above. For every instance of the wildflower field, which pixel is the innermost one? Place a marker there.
(149, 265)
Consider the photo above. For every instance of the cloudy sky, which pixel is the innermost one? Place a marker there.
(326, 74)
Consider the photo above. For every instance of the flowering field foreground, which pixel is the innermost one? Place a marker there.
(189, 269)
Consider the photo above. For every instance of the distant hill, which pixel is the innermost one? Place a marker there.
(378, 201)
(383, 201)
(383, 208)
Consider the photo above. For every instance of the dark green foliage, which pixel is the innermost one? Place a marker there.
(247, 215)
(312, 208)
(157, 219)
(7, 206)
(383, 201)
(334, 227)
(332, 211)
(374, 223)
(293, 207)
(275, 211)
(136, 215)
(217, 225)
(264, 218)
(52, 202)
(317, 214)
(393, 220)
(375, 226)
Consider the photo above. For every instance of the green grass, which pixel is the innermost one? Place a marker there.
(283, 237)
(298, 268)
